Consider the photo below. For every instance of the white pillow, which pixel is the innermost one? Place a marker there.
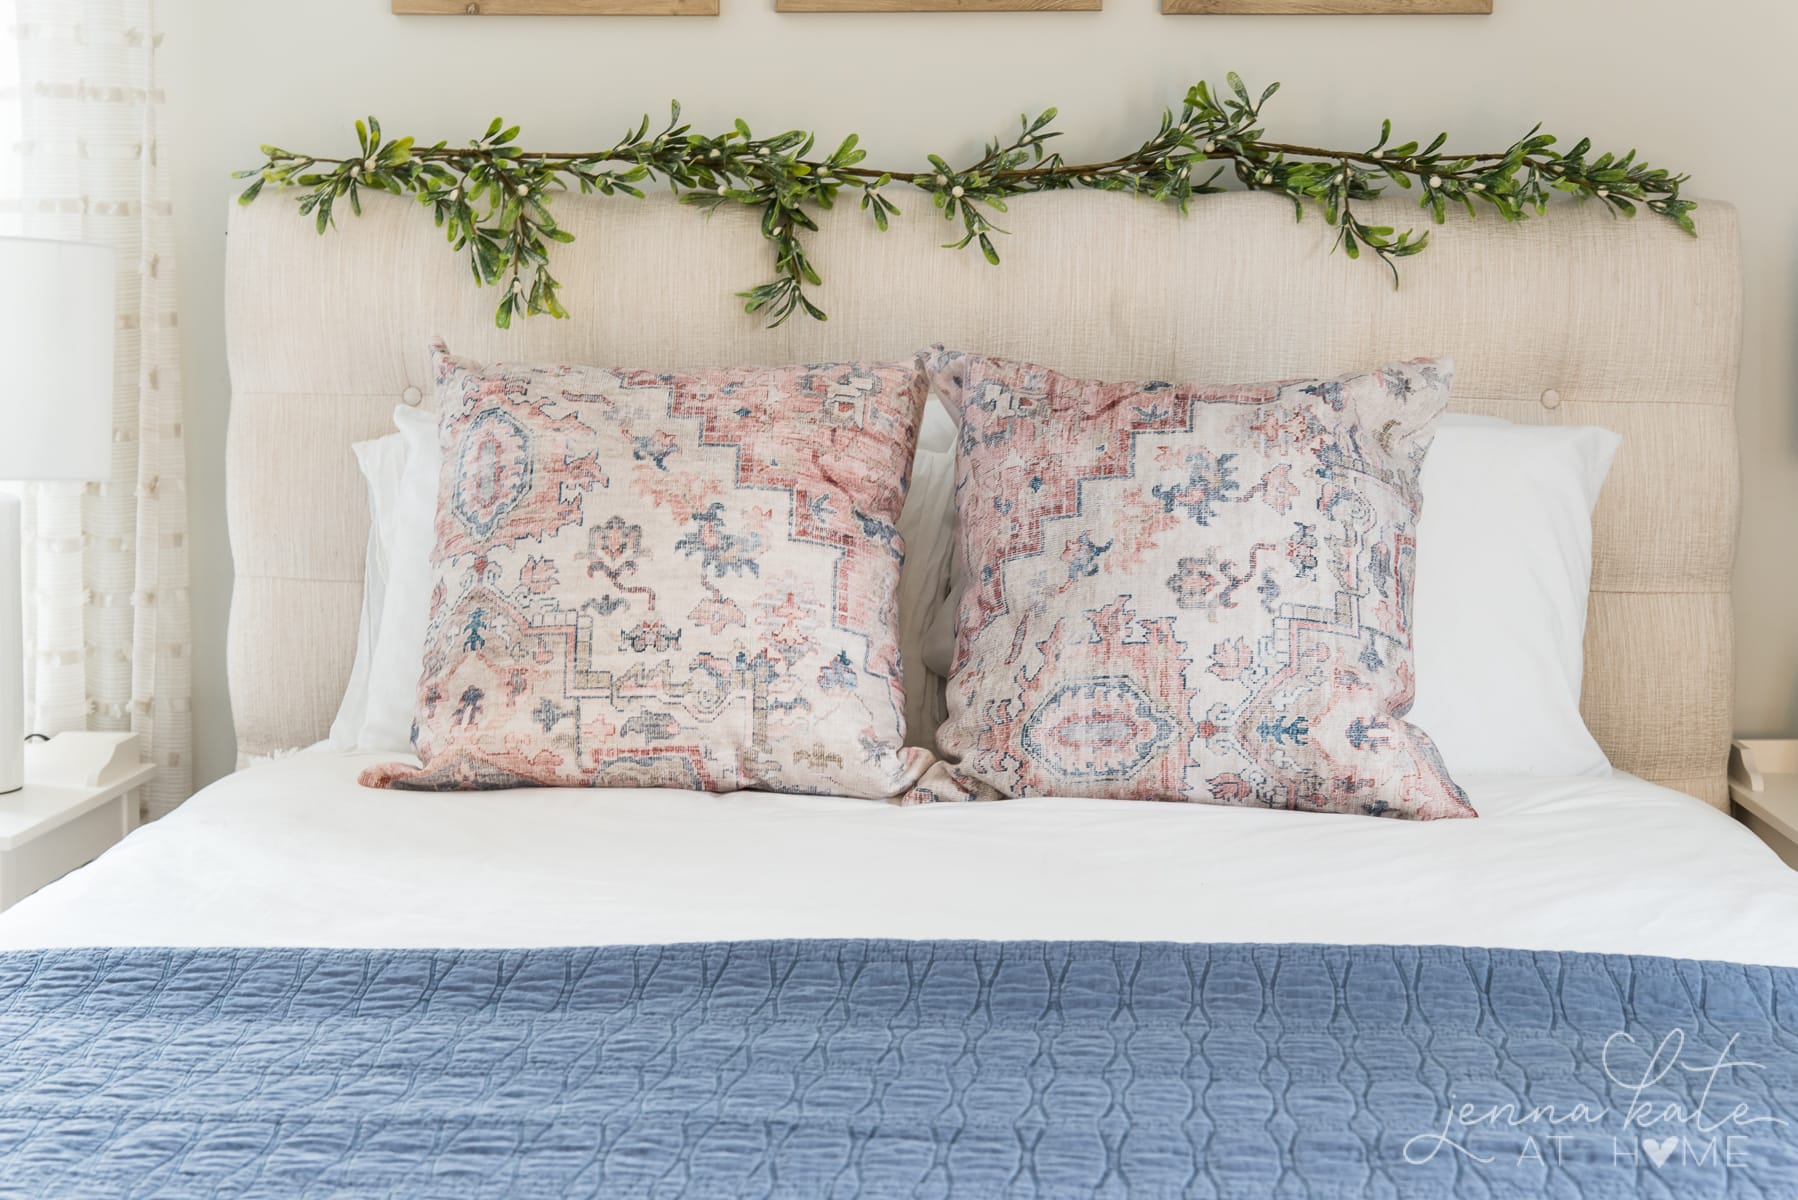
(381, 696)
(382, 461)
(398, 658)
(1504, 566)
(1504, 569)
(401, 512)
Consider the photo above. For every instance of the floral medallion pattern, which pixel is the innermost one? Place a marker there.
(1189, 594)
(667, 580)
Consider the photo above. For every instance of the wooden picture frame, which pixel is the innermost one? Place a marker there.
(1338, 8)
(936, 6)
(557, 8)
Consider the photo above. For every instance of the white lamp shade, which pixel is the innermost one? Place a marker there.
(56, 330)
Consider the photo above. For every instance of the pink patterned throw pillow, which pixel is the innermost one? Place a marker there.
(1197, 594)
(667, 580)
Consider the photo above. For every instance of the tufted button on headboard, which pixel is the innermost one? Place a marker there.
(1574, 318)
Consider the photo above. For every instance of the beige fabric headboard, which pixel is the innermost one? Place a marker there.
(1574, 318)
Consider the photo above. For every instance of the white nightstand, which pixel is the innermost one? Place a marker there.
(80, 797)
(1763, 782)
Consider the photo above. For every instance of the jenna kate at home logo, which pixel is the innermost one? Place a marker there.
(1665, 1104)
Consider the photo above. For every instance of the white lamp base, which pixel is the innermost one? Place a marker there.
(12, 649)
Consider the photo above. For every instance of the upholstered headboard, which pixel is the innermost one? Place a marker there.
(1573, 318)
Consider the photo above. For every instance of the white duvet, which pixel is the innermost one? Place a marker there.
(295, 853)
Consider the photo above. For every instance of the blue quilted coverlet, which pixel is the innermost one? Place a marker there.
(889, 1069)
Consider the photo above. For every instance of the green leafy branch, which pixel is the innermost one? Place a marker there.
(492, 197)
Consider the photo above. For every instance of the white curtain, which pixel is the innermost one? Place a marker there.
(107, 637)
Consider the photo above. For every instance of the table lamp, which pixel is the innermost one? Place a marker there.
(56, 331)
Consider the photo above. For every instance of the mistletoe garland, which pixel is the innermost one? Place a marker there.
(492, 197)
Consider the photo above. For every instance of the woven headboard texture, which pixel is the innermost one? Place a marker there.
(1572, 318)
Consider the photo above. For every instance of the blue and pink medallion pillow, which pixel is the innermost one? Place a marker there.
(1195, 594)
(646, 579)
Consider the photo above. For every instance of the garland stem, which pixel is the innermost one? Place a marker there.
(492, 198)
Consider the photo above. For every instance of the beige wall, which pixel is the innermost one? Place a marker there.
(1706, 90)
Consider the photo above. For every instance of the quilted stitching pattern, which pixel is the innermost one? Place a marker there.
(859, 1068)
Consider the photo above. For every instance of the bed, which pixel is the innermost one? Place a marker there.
(294, 985)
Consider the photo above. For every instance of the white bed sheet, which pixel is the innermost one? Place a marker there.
(295, 853)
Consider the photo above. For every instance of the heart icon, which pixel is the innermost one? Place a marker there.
(1659, 1152)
